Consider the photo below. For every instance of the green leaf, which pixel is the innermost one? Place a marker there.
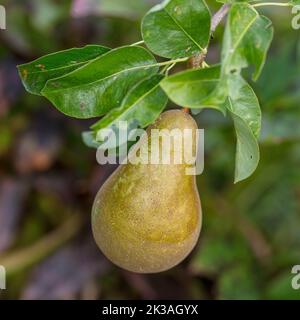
(144, 103)
(246, 41)
(247, 151)
(196, 88)
(246, 104)
(240, 19)
(177, 28)
(245, 111)
(101, 85)
(257, 43)
(35, 74)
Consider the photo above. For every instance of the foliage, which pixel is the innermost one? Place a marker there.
(91, 82)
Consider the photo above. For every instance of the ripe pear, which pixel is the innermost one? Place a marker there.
(147, 217)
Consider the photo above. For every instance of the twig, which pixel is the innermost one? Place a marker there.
(218, 17)
(26, 257)
(197, 60)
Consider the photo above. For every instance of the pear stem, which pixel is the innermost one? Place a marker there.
(197, 60)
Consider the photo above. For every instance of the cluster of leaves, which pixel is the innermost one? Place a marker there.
(129, 84)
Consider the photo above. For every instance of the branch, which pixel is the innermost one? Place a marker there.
(197, 60)
(218, 17)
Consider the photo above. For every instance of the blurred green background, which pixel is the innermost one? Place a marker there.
(48, 178)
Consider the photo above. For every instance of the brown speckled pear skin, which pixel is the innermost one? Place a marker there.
(147, 217)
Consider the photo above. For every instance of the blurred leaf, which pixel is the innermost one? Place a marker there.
(276, 210)
(177, 28)
(130, 9)
(47, 13)
(281, 288)
(101, 85)
(35, 74)
(121, 8)
(284, 64)
(24, 36)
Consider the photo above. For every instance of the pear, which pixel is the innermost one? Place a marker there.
(147, 217)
